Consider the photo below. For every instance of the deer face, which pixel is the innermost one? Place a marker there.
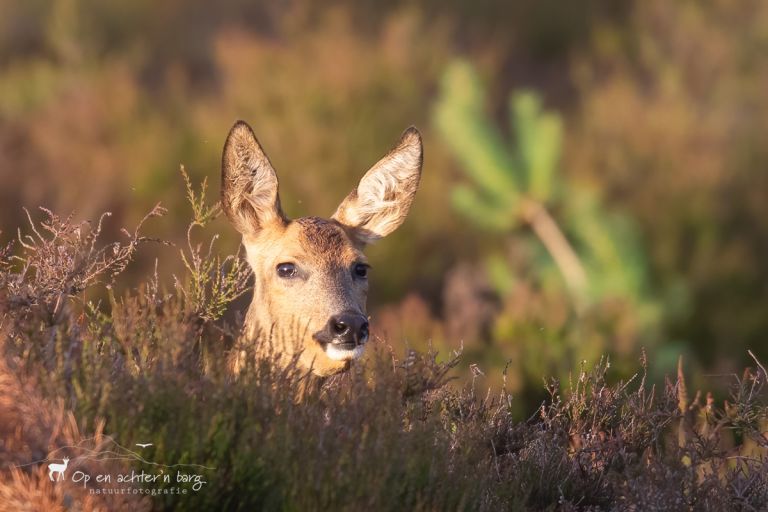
(310, 274)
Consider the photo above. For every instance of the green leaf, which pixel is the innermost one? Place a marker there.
(481, 211)
(462, 121)
(500, 274)
(539, 141)
(611, 247)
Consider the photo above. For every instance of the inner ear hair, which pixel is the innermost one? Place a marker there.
(249, 185)
(383, 198)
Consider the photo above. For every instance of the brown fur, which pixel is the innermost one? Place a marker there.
(323, 238)
(287, 313)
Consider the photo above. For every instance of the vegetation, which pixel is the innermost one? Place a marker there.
(594, 187)
(596, 252)
(657, 181)
(519, 187)
(79, 380)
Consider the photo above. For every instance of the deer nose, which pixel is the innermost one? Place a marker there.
(348, 329)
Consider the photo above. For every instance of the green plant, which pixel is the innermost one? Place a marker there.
(211, 283)
(520, 185)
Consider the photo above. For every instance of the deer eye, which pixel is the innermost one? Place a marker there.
(286, 270)
(361, 270)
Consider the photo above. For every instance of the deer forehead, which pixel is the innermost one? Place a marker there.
(313, 241)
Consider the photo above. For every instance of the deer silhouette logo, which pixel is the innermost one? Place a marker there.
(57, 468)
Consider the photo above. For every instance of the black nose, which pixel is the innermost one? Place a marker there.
(348, 329)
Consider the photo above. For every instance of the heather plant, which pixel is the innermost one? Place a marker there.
(392, 433)
(60, 259)
(211, 283)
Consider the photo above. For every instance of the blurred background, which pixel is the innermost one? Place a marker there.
(595, 177)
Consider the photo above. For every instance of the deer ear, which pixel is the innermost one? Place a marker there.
(249, 195)
(381, 201)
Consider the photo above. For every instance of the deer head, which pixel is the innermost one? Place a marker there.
(310, 274)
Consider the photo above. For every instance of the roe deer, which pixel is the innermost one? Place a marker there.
(310, 275)
(57, 468)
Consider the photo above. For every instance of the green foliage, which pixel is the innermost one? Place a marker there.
(539, 140)
(461, 118)
(613, 253)
(503, 177)
(582, 257)
(513, 184)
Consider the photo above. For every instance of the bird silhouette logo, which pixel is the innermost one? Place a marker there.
(143, 445)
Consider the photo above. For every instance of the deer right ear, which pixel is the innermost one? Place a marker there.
(381, 201)
(249, 195)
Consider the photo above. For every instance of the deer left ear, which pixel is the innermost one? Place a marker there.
(381, 201)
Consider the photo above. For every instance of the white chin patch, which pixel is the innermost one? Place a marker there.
(340, 354)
